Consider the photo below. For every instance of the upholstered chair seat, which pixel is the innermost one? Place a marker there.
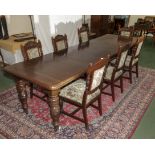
(75, 92)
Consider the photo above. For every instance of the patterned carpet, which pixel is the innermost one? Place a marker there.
(119, 120)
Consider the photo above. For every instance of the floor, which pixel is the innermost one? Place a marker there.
(146, 128)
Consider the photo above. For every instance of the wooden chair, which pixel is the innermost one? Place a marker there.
(32, 50)
(60, 44)
(83, 93)
(132, 60)
(115, 71)
(83, 34)
(125, 33)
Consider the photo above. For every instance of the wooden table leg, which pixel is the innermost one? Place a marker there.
(53, 97)
(22, 94)
(2, 58)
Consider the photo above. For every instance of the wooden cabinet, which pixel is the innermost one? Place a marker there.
(100, 24)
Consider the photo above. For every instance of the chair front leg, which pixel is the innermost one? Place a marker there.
(121, 84)
(100, 105)
(84, 110)
(130, 75)
(137, 70)
(31, 90)
(112, 91)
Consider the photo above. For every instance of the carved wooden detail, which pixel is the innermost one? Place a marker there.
(53, 97)
(30, 45)
(22, 93)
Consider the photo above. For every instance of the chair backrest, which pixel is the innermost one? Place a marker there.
(95, 74)
(125, 33)
(60, 44)
(120, 60)
(121, 56)
(136, 50)
(31, 50)
(83, 35)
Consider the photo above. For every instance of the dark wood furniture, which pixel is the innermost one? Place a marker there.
(100, 24)
(125, 32)
(86, 92)
(120, 22)
(60, 44)
(32, 50)
(115, 71)
(2, 58)
(132, 60)
(144, 27)
(150, 19)
(54, 73)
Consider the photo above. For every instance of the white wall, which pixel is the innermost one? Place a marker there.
(18, 24)
(133, 19)
(42, 31)
(61, 24)
(47, 26)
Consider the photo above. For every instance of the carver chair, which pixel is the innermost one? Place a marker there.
(32, 50)
(83, 34)
(132, 60)
(115, 71)
(83, 93)
(125, 33)
(60, 44)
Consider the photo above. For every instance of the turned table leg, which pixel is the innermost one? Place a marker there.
(2, 58)
(22, 94)
(53, 97)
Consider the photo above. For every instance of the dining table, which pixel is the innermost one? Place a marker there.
(52, 72)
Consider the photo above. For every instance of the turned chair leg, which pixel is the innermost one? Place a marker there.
(84, 110)
(100, 105)
(112, 91)
(31, 90)
(121, 84)
(130, 75)
(137, 70)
